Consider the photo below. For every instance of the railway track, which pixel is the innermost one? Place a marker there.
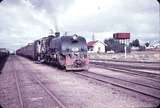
(146, 62)
(129, 65)
(126, 69)
(49, 92)
(40, 83)
(145, 75)
(18, 87)
(128, 85)
(148, 76)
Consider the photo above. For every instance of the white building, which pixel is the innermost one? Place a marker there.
(154, 44)
(96, 47)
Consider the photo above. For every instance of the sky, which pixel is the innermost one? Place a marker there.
(23, 21)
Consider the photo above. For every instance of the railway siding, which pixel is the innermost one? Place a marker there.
(126, 75)
(148, 66)
(139, 88)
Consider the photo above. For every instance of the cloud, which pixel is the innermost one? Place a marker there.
(141, 17)
(24, 21)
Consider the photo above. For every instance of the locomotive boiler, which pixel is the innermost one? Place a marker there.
(69, 52)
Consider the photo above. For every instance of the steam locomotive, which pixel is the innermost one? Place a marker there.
(69, 52)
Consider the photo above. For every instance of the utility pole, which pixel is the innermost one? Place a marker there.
(93, 37)
(65, 33)
(51, 31)
(125, 49)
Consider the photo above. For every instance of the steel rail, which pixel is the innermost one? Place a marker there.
(48, 91)
(112, 83)
(18, 87)
(131, 72)
(51, 94)
(127, 65)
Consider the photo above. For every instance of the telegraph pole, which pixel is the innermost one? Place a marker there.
(125, 49)
(93, 37)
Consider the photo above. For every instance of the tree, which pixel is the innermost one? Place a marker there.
(147, 44)
(114, 45)
(136, 43)
(141, 48)
(130, 44)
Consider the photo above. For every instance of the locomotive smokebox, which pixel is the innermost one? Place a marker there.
(57, 34)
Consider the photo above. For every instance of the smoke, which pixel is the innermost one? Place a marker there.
(52, 8)
(55, 22)
(1, 1)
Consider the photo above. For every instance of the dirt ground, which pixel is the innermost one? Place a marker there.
(147, 56)
(73, 90)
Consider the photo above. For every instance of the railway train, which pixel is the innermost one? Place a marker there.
(68, 52)
(3, 53)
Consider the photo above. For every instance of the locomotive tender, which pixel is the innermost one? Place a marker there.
(69, 52)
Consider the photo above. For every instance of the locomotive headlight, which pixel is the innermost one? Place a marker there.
(74, 49)
(75, 37)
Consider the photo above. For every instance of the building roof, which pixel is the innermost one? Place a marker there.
(91, 43)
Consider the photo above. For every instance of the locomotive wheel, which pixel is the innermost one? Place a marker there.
(60, 61)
